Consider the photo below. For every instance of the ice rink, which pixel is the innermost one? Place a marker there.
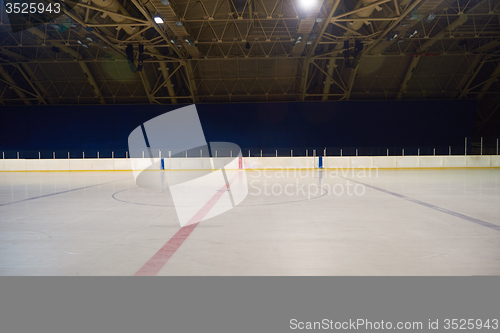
(321, 222)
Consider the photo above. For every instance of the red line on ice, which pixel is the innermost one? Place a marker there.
(156, 263)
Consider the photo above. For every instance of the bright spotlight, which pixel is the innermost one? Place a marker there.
(158, 19)
(307, 4)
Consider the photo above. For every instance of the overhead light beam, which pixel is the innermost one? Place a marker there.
(307, 4)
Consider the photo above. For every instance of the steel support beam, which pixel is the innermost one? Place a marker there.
(182, 58)
(407, 11)
(29, 80)
(10, 80)
(350, 84)
(324, 27)
(192, 84)
(158, 29)
(412, 68)
(308, 60)
(305, 71)
(77, 57)
(27, 73)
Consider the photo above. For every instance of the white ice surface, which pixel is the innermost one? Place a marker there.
(100, 223)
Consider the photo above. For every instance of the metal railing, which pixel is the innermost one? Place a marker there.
(471, 146)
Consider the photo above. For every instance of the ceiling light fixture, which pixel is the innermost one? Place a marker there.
(189, 40)
(413, 34)
(307, 4)
(158, 19)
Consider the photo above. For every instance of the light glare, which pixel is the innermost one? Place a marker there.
(158, 20)
(307, 4)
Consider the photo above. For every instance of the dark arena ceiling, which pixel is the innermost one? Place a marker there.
(254, 51)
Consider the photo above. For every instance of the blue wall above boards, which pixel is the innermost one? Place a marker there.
(258, 126)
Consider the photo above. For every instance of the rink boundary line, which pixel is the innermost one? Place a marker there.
(155, 264)
(56, 193)
(261, 169)
(72, 170)
(431, 206)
